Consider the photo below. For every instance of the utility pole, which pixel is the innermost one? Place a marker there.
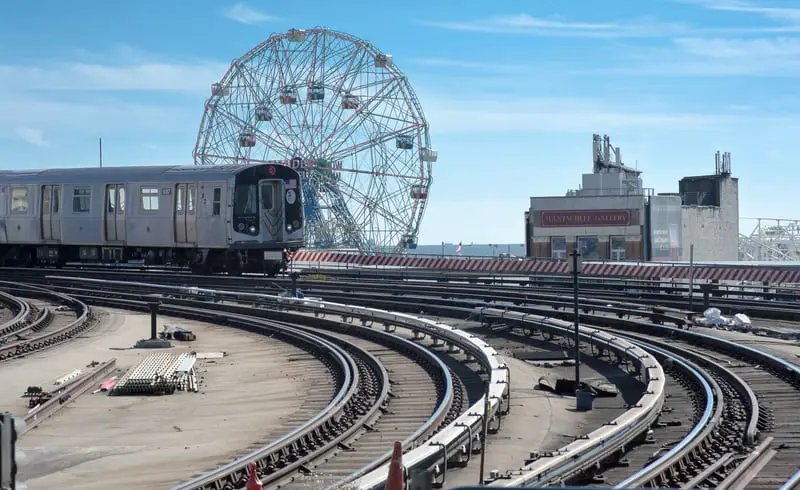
(691, 277)
(583, 398)
(575, 272)
(484, 428)
(101, 152)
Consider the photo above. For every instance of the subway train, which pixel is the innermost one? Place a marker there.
(231, 218)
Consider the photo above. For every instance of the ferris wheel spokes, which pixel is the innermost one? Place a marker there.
(333, 104)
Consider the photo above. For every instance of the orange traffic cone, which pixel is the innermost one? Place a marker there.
(396, 480)
(253, 483)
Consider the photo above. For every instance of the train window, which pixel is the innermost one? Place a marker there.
(217, 202)
(190, 199)
(179, 200)
(245, 200)
(56, 196)
(149, 198)
(267, 197)
(19, 200)
(121, 203)
(111, 200)
(81, 199)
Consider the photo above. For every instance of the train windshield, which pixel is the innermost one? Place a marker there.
(245, 200)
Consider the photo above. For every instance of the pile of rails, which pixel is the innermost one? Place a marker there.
(159, 374)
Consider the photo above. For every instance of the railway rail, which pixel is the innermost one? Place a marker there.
(29, 331)
(744, 432)
(370, 459)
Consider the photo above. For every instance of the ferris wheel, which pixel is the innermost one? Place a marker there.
(340, 111)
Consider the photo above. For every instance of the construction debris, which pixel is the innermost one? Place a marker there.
(712, 317)
(209, 355)
(67, 377)
(176, 332)
(36, 396)
(566, 386)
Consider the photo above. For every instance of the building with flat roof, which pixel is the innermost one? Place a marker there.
(612, 216)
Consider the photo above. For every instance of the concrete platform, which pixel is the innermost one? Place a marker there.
(786, 349)
(102, 441)
(540, 420)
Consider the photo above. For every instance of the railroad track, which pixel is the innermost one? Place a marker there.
(31, 329)
(772, 396)
(665, 292)
(775, 388)
(732, 410)
(424, 395)
(411, 415)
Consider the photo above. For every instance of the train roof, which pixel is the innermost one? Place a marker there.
(143, 173)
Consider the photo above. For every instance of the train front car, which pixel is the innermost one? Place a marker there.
(267, 220)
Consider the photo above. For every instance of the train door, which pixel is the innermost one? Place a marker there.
(186, 213)
(272, 208)
(115, 213)
(51, 212)
(180, 213)
(191, 213)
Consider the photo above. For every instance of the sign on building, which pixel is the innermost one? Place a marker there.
(665, 228)
(584, 218)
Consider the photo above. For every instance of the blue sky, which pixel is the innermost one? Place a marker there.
(513, 90)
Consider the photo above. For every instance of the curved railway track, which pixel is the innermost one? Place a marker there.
(423, 395)
(363, 422)
(742, 430)
(31, 329)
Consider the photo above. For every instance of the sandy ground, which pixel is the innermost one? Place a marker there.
(102, 441)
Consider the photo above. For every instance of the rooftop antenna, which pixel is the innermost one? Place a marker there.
(101, 152)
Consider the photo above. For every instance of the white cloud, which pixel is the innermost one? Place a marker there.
(176, 77)
(784, 14)
(32, 136)
(715, 57)
(241, 12)
(515, 115)
(88, 94)
(465, 64)
(751, 50)
(528, 25)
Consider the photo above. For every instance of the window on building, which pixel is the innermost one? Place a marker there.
(558, 247)
(81, 199)
(19, 200)
(617, 247)
(149, 198)
(587, 247)
(217, 201)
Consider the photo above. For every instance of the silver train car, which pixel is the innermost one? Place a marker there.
(230, 218)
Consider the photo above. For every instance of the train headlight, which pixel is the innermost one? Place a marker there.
(252, 229)
(289, 227)
(240, 226)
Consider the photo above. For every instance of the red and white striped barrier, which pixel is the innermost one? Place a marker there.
(466, 264)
